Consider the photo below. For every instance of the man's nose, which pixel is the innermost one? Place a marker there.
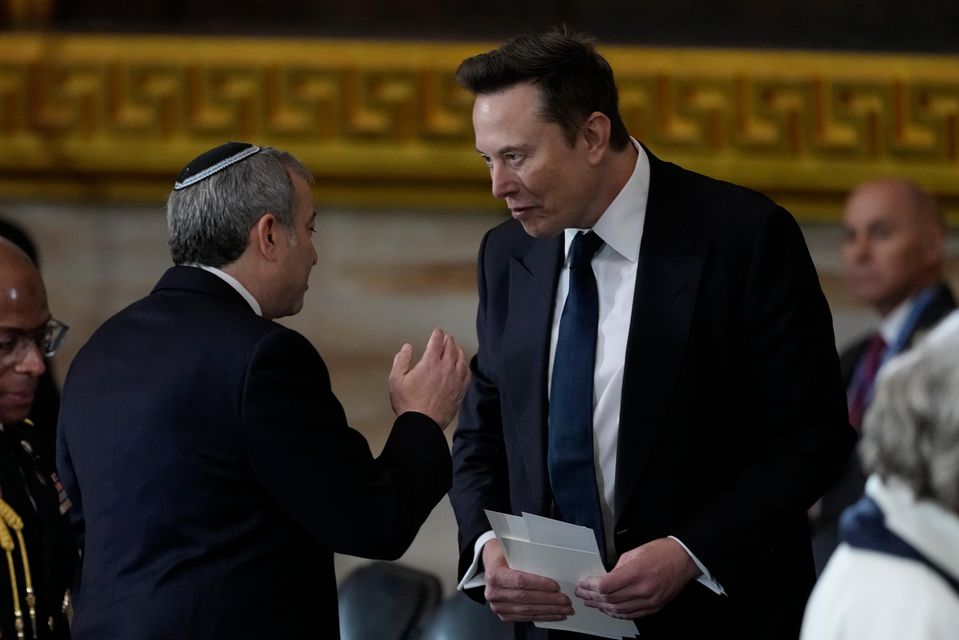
(30, 361)
(504, 181)
(858, 247)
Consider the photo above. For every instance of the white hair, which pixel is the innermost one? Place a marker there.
(911, 429)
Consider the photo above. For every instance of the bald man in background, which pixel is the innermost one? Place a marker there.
(35, 541)
(893, 250)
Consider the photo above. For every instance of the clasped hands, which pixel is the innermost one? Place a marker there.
(643, 581)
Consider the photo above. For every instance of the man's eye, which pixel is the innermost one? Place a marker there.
(7, 344)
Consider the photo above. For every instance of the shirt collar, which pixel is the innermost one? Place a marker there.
(892, 324)
(233, 282)
(621, 225)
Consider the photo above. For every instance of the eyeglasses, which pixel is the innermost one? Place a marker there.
(15, 343)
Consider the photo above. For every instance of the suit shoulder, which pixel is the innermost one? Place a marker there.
(708, 189)
(722, 203)
(173, 322)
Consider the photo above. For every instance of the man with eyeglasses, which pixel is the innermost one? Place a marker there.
(37, 555)
(46, 401)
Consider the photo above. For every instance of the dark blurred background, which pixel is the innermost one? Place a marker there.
(869, 25)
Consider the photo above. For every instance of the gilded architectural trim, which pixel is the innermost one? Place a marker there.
(384, 123)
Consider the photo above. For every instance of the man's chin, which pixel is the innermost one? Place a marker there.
(294, 308)
(539, 231)
(13, 414)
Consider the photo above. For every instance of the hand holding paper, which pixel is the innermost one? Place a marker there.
(643, 581)
(517, 596)
(558, 553)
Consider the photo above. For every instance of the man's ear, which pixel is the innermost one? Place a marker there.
(263, 236)
(934, 249)
(596, 134)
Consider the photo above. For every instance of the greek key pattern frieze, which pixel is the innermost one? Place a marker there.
(395, 110)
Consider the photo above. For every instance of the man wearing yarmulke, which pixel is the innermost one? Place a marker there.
(212, 469)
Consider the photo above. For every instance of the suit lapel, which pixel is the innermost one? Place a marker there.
(667, 282)
(532, 287)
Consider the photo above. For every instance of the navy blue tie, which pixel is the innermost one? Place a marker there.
(572, 475)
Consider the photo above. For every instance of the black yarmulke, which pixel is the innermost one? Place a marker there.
(205, 165)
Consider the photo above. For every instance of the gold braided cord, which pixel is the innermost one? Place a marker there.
(6, 543)
(31, 597)
(15, 522)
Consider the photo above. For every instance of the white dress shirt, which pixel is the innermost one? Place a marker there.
(233, 282)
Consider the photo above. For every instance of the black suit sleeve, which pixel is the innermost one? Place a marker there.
(481, 480)
(321, 472)
(64, 467)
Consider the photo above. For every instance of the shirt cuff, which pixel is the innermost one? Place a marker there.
(475, 576)
(706, 579)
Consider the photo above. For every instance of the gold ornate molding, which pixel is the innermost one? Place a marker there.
(26, 13)
(384, 123)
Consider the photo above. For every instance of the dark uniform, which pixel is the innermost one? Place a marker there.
(31, 489)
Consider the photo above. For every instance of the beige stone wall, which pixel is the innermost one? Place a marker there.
(383, 277)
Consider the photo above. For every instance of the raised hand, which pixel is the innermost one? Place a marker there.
(435, 386)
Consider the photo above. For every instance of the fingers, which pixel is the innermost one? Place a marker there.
(610, 583)
(461, 367)
(621, 604)
(442, 346)
(402, 361)
(507, 578)
(625, 592)
(436, 384)
(516, 596)
(615, 597)
(451, 349)
(633, 607)
(643, 581)
(518, 606)
(435, 345)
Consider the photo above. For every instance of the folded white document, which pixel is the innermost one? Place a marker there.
(565, 552)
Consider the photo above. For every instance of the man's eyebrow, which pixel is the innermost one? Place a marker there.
(507, 149)
(40, 326)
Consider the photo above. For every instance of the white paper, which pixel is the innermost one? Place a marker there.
(566, 553)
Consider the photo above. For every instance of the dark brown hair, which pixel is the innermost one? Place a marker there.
(574, 80)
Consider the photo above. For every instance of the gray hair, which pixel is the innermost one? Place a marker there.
(209, 222)
(911, 429)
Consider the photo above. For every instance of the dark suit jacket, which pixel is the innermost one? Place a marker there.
(850, 487)
(733, 418)
(214, 473)
(29, 485)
